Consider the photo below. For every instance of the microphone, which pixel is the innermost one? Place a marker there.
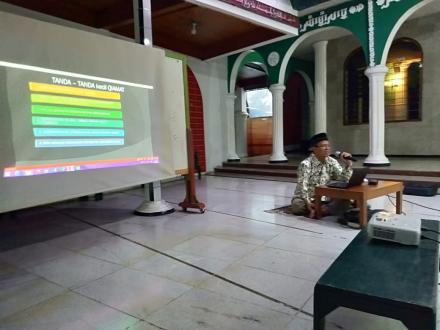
(339, 153)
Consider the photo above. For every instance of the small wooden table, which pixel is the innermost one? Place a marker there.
(361, 194)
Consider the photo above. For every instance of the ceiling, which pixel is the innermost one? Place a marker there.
(172, 22)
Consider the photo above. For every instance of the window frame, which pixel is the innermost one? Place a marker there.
(248, 107)
(365, 95)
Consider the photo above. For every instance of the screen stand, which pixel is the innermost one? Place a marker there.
(153, 204)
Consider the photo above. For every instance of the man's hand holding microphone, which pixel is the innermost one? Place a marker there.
(346, 157)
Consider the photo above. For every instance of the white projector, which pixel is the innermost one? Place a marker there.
(403, 229)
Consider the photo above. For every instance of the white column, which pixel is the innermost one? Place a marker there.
(376, 157)
(277, 124)
(320, 86)
(311, 123)
(230, 133)
(241, 133)
(143, 30)
(241, 116)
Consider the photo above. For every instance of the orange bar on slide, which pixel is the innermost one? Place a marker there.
(69, 90)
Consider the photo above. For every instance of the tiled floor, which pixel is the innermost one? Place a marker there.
(95, 265)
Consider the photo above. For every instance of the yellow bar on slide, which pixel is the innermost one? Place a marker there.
(77, 91)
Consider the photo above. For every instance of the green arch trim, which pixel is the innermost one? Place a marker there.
(296, 65)
(253, 57)
(352, 16)
(388, 18)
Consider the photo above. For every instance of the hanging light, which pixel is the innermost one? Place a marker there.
(194, 27)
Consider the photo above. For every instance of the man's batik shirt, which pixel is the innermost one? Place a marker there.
(312, 173)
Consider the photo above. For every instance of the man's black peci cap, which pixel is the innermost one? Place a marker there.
(315, 139)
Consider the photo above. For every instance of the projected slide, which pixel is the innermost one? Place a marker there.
(62, 121)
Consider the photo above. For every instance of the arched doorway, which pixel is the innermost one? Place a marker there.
(295, 116)
(254, 99)
(196, 119)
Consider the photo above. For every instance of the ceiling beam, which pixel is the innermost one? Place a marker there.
(259, 34)
(172, 9)
(119, 13)
(57, 8)
(182, 46)
(157, 5)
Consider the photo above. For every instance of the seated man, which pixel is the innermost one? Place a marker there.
(318, 169)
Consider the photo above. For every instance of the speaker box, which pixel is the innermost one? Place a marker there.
(420, 189)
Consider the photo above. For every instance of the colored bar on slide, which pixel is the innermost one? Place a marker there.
(68, 90)
(55, 110)
(75, 101)
(147, 159)
(64, 143)
(42, 132)
(80, 122)
(38, 170)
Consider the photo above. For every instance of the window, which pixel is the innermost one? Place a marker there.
(259, 103)
(402, 84)
(356, 89)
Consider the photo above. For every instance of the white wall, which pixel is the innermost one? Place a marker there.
(404, 138)
(212, 79)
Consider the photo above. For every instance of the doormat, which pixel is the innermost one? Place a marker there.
(281, 210)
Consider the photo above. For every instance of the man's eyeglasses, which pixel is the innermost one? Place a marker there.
(323, 146)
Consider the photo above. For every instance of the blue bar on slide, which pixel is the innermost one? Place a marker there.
(65, 143)
(78, 132)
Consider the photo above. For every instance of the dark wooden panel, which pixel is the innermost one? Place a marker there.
(172, 21)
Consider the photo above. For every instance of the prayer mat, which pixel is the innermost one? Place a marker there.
(281, 210)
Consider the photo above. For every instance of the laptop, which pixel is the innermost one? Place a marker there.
(357, 178)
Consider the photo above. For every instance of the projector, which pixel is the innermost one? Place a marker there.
(403, 229)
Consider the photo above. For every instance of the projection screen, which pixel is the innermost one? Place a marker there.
(82, 113)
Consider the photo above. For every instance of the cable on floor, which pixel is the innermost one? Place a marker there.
(414, 203)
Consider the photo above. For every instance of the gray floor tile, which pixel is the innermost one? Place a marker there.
(119, 251)
(201, 309)
(218, 248)
(102, 245)
(20, 290)
(160, 238)
(291, 290)
(69, 311)
(300, 323)
(31, 255)
(308, 307)
(321, 247)
(233, 291)
(168, 268)
(295, 264)
(81, 240)
(345, 318)
(74, 270)
(208, 263)
(143, 325)
(134, 292)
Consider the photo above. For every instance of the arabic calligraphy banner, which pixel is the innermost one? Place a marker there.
(262, 9)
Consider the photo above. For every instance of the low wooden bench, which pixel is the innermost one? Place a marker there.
(383, 278)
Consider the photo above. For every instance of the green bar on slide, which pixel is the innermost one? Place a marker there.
(79, 122)
(57, 110)
(75, 101)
